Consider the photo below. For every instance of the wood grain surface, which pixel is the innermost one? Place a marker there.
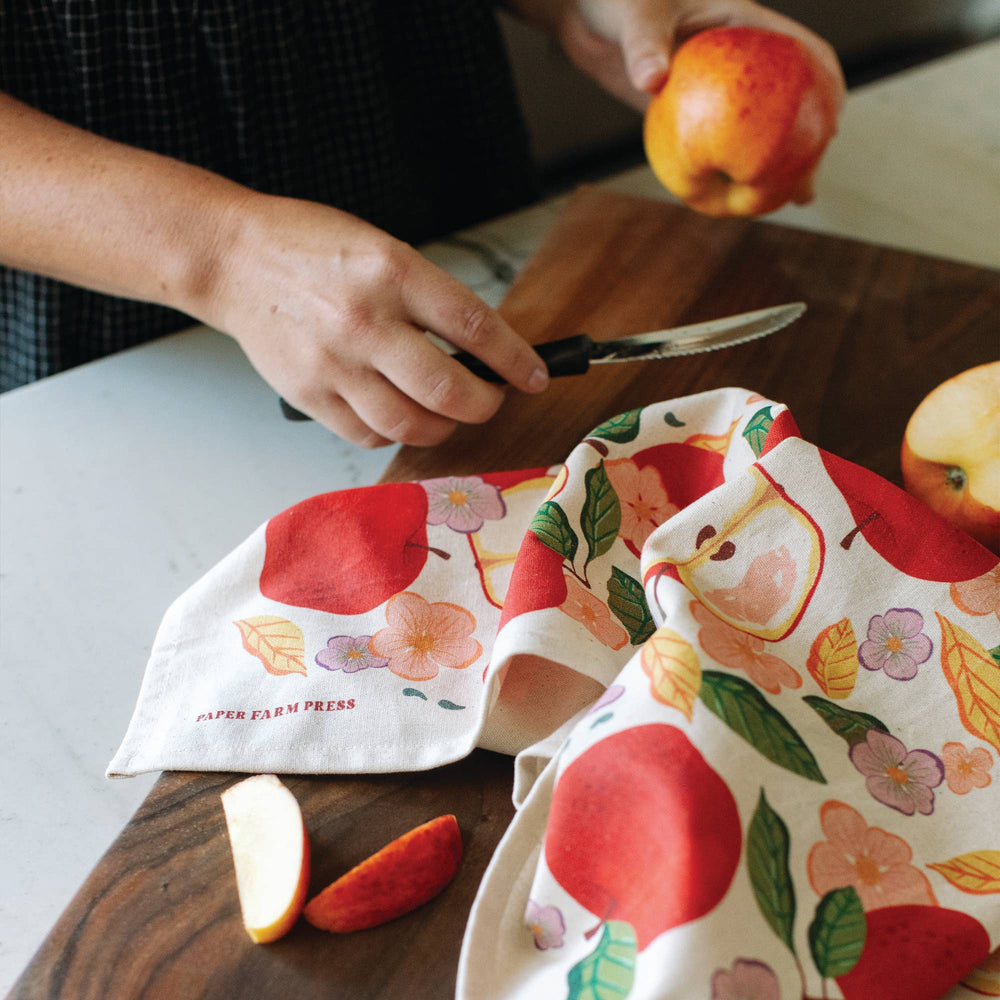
(159, 917)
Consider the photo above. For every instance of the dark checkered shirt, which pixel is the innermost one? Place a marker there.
(400, 112)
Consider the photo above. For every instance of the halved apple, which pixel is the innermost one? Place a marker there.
(950, 455)
(270, 852)
(395, 880)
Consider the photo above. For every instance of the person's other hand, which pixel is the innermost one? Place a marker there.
(332, 312)
(626, 45)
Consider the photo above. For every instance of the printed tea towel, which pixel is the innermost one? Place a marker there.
(754, 690)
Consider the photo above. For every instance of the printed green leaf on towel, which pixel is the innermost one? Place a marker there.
(748, 713)
(608, 972)
(601, 516)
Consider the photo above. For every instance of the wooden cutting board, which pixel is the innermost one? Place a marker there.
(159, 918)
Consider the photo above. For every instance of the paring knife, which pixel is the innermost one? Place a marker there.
(574, 355)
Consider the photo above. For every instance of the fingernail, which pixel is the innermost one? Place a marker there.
(538, 380)
(649, 73)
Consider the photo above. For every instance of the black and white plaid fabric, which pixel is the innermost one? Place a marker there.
(401, 113)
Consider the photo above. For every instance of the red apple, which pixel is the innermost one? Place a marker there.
(270, 853)
(951, 452)
(643, 830)
(915, 953)
(395, 880)
(347, 552)
(742, 121)
(902, 529)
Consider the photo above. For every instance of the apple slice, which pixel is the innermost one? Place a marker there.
(270, 852)
(402, 876)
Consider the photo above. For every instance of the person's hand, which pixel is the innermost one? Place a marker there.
(332, 312)
(626, 45)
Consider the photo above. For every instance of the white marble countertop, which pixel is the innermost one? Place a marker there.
(123, 481)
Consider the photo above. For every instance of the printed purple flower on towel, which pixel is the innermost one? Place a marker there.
(463, 503)
(898, 778)
(546, 925)
(349, 653)
(748, 980)
(896, 644)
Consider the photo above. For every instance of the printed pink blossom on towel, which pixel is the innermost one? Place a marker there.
(546, 925)
(966, 769)
(869, 859)
(463, 503)
(747, 980)
(980, 595)
(349, 653)
(741, 651)
(644, 502)
(898, 778)
(422, 637)
(582, 606)
(896, 644)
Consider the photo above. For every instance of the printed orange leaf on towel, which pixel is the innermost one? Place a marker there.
(672, 666)
(976, 872)
(974, 677)
(276, 642)
(718, 443)
(421, 637)
(833, 659)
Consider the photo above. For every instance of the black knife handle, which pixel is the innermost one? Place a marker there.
(569, 356)
(290, 413)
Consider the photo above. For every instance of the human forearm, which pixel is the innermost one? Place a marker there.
(331, 310)
(109, 217)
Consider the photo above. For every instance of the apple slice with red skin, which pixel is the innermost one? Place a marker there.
(270, 853)
(348, 551)
(915, 953)
(400, 877)
(642, 829)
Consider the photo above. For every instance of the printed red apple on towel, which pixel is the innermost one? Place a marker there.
(903, 530)
(643, 830)
(349, 551)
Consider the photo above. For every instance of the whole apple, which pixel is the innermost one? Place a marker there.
(742, 121)
(950, 455)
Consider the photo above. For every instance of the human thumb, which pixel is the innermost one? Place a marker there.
(647, 40)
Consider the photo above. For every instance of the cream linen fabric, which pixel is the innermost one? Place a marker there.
(753, 689)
